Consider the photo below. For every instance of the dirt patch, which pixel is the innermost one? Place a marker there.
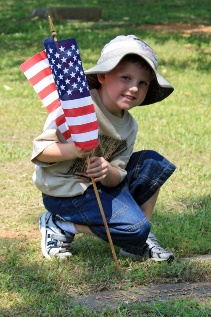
(185, 28)
(18, 234)
(201, 291)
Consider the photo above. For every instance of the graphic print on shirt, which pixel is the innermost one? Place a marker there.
(109, 148)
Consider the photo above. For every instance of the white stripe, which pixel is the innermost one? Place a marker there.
(70, 140)
(83, 137)
(72, 121)
(77, 103)
(63, 127)
(45, 82)
(56, 114)
(50, 98)
(121, 44)
(35, 69)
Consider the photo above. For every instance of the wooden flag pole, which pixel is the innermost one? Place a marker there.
(53, 32)
(104, 221)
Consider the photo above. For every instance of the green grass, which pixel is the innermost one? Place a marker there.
(178, 128)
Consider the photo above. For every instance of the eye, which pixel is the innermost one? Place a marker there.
(126, 78)
(143, 83)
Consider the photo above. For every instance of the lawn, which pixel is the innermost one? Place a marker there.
(178, 127)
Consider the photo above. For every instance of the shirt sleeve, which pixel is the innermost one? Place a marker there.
(41, 142)
(122, 160)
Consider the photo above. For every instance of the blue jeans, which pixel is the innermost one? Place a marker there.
(147, 171)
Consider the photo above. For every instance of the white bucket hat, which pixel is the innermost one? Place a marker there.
(113, 53)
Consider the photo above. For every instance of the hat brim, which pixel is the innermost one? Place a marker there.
(159, 88)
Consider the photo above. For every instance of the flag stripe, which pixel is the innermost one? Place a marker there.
(89, 118)
(43, 82)
(53, 96)
(84, 137)
(32, 61)
(45, 92)
(72, 104)
(79, 111)
(35, 69)
(88, 127)
(56, 113)
(87, 145)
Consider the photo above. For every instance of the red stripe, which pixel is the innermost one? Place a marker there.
(76, 112)
(39, 76)
(66, 134)
(47, 90)
(53, 106)
(32, 61)
(60, 120)
(88, 127)
(88, 145)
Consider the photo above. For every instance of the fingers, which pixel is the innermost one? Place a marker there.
(98, 168)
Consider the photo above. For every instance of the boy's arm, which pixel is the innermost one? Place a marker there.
(57, 152)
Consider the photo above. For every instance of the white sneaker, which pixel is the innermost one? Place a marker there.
(155, 251)
(54, 242)
(151, 250)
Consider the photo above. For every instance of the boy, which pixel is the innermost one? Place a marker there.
(128, 183)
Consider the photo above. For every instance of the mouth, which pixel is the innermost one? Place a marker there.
(129, 97)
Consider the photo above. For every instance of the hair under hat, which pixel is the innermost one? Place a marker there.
(113, 53)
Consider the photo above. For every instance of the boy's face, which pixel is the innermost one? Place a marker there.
(125, 87)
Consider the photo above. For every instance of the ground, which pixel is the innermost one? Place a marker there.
(184, 28)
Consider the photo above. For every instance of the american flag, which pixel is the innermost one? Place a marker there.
(58, 77)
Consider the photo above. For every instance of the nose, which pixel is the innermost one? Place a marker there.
(133, 89)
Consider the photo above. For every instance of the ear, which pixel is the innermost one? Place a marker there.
(101, 78)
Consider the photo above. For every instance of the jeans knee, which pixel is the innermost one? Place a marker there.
(139, 233)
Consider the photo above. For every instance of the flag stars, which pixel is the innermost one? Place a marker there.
(63, 59)
(65, 70)
(61, 48)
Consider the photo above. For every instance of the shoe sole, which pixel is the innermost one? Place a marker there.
(43, 231)
(170, 259)
(145, 257)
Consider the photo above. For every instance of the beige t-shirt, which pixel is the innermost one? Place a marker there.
(66, 179)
